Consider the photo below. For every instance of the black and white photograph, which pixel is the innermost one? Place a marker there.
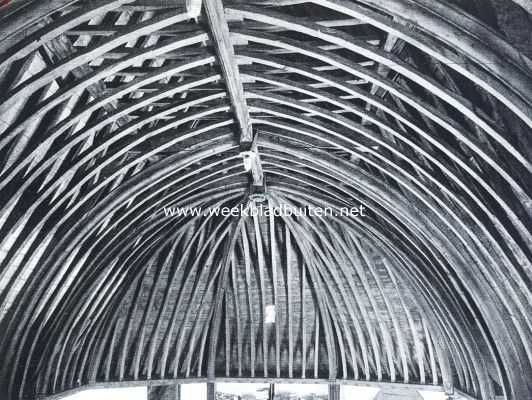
(265, 199)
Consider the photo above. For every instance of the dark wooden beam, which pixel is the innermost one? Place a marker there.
(334, 391)
(211, 391)
(228, 62)
(225, 51)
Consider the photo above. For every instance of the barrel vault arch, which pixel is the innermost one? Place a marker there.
(115, 113)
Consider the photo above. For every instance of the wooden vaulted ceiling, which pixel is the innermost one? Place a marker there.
(111, 110)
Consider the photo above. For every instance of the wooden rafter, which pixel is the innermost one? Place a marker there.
(407, 108)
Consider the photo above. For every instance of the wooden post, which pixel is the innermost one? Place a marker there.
(164, 392)
(211, 391)
(334, 391)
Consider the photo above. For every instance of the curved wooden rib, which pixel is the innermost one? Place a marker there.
(424, 120)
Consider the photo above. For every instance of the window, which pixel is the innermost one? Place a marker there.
(430, 395)
(126, 393)
(269, 314)
(303, 391)
(194, 391)
(242, 391)
(352, 392)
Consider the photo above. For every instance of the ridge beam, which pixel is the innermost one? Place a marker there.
(224, 49)
(219, 28)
